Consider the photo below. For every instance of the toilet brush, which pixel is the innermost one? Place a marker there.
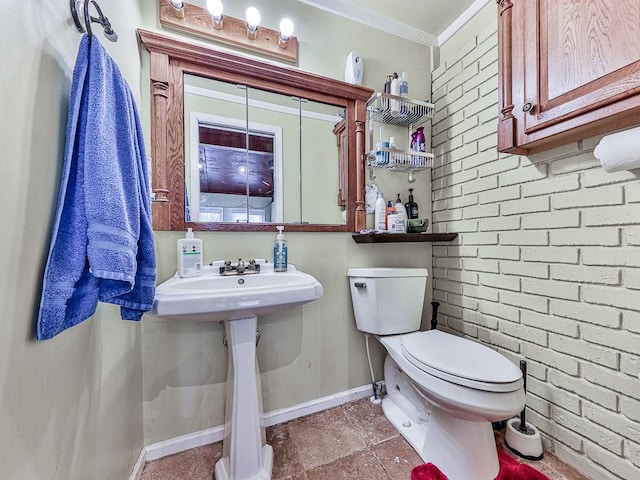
(521, 437)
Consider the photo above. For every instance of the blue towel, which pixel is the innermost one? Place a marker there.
(102, 245)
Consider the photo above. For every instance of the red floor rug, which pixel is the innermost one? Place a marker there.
(510, 469)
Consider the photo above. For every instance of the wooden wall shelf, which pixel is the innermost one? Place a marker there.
(402, 237)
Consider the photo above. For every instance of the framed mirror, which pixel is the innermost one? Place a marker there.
(241, 145)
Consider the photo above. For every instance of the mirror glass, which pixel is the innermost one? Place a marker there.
(254, 156)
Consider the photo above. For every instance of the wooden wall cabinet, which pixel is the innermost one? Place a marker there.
(568, 70)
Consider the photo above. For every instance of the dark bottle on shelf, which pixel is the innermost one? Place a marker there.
(387, 89)
(411, 206)
(387, 85)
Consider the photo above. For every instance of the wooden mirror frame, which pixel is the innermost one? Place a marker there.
(171, 59)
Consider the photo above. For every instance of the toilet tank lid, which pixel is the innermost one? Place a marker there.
(385, 272)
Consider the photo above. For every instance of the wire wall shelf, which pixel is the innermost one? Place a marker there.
(401, 111)
(399, 160)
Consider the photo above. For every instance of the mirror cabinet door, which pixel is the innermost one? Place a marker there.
(319, 163)
(254, 156)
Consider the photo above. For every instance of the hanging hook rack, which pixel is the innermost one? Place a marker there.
(80, 8)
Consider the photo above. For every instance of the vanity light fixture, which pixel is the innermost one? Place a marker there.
(286, 30)
(178, 9)
(210, 23)
(215, 9)
(253, 18)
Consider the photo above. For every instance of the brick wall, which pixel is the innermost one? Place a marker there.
(546, 265)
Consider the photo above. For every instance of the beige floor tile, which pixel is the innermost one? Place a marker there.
(286, 462)
(323, 437)
(360, 465)
(195, 464)
(397, 458)
(370, 421)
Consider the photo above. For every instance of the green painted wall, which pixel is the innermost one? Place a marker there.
(70, 407)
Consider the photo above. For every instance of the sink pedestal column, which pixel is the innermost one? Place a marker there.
(247, 456)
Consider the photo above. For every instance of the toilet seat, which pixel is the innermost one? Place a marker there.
(460, 361)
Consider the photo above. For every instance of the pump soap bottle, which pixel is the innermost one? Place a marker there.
(280, 252)
(402, 211)
(411, 206)
(189, 255)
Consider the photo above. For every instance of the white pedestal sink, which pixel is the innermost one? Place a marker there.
(237, 300)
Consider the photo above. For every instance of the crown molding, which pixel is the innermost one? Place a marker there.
(374, 20)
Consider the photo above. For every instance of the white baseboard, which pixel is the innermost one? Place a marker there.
(136, 473)
(307, 408)
(215, 434)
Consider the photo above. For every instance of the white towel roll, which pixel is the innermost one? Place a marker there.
(619, 151)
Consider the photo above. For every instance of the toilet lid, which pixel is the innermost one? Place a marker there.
(460, 361)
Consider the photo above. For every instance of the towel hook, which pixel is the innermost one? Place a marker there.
(81, 8)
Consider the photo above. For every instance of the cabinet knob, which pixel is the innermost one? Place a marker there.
(527, 107)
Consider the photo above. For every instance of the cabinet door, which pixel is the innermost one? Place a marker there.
(575, 70)
(343, 161)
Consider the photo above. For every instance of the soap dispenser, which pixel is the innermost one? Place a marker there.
(280, 252)
(189, 255)
(411, 206)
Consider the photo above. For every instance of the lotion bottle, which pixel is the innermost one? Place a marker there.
(403, 85)
(280, 252)
(380, 213)
(189, 255)
(402, 211)
(388, 211)
(403, 89)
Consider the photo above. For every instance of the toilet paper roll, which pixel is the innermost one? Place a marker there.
(619, 151)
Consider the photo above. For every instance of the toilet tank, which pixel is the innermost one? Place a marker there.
(387, 301)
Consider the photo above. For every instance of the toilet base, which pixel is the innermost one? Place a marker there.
(461, 449)
(413, 432)
(403, 407)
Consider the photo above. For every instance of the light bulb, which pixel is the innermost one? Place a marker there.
(253, 18)
(286, 29)
(215, 9)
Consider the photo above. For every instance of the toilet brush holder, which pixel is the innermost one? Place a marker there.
(520, 436)
(524, 442)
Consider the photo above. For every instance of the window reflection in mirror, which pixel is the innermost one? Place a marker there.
(258, 156)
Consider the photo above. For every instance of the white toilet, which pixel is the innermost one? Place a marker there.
(443, 391)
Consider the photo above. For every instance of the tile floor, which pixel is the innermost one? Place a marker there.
(354, 441)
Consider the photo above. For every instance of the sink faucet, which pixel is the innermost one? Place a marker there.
(239, 268)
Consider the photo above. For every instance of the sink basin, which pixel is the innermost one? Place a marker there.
(216, 297)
